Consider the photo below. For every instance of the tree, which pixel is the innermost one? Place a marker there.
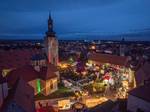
(98, 86)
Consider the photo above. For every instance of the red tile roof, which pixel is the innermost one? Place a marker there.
(22, 94)
(48, 72)
(107, 58)
(15, 58)
(27, 72)
(19, 60)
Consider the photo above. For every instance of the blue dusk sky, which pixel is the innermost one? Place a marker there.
(75, 19)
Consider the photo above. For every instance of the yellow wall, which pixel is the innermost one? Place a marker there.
(51, 83)
(33, 84)
(45, 86)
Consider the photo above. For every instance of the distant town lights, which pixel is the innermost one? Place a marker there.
(64, 65)
(93, 47)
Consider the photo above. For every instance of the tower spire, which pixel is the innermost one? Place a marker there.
(50, 23)
(50, 15)
(51, 43)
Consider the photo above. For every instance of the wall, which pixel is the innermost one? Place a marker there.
(51, 83)
(58, 75)
(52, 50)
(45, 86)
(33, 83)
(134, 103)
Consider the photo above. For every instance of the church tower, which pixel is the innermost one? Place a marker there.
(51, 43)
(122, 47)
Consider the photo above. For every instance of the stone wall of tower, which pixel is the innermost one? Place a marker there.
(52, 50)
(51, 44)
(49, 86)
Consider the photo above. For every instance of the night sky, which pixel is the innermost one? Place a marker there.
(76, 19)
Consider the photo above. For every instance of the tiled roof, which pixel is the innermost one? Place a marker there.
(19, 60)
(142, 92)
(48, 72)
(38, 57)
(104, 107)
(143, 73)
(22, 94)
(27, 72)
(15, 58)
(107, 58)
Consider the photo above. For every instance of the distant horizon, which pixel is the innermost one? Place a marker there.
(70, 39)
(137, 36)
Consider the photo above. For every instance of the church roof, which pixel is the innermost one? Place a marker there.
(48, 72)
(22, 94)
(16, 58)
(37, 57)
(28, 73)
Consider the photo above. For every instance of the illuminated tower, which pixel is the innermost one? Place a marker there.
(51, 43)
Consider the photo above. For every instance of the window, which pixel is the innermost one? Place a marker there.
(51, 84)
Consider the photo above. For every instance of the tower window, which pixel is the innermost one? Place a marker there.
(53, 60)
(51, 84)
